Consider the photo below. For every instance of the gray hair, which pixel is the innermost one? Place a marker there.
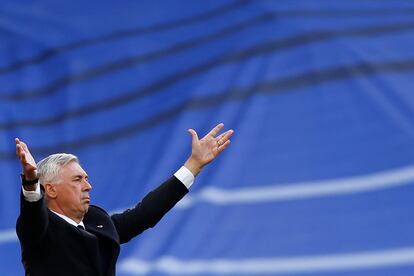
(49, 168)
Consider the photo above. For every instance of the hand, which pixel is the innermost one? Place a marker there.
(207, 149)
(26, 160)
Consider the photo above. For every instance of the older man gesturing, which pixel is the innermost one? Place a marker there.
(60, 233)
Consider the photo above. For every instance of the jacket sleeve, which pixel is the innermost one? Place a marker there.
(150, 210)
(33, 220)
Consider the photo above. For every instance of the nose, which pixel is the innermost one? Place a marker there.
(87, 186)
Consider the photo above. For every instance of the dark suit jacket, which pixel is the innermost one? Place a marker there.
(52, 246)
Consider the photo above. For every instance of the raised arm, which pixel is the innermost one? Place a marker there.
(157, 203)
(32, 222)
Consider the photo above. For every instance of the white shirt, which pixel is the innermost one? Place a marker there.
(69, 220)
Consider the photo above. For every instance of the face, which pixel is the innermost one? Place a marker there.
(72, 191)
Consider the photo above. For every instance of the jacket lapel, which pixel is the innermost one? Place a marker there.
(92, 246)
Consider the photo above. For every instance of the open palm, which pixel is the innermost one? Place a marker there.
(26, 159)
(208, 148)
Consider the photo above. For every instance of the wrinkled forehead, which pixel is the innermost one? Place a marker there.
(73, 169)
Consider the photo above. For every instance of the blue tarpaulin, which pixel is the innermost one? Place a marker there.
(319, 177)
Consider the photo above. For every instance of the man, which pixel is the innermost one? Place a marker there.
(61, 234)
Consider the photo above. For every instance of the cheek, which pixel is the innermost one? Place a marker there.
(74, 193)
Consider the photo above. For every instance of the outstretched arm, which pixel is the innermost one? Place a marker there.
(157, 203)
(32, 222)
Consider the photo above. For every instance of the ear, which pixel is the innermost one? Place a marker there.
(50, 190)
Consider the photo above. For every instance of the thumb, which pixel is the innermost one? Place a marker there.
(194, 135)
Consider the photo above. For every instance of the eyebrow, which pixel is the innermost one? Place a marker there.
(79, 176)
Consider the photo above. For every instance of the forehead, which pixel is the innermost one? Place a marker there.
(72, 169)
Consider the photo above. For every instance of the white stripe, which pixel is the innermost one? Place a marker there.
(288, 265)
(8, 236)
(301, 190)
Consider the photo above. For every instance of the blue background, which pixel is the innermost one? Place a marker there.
(316, 91)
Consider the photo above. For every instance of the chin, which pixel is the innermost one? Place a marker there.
(86, 209)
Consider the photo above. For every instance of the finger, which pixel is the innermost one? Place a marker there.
(225, 136)
(24, 146)
(23, 157)
(220, 136)
(224, 146)
(215, 130)
(21, 153)
(17, 141)
(19, 149)
(194, 136)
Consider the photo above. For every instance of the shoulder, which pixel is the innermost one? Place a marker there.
(96, 211)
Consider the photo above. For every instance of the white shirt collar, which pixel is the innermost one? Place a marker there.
(69, 220)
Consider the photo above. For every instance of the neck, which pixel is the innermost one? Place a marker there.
(55, 208)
